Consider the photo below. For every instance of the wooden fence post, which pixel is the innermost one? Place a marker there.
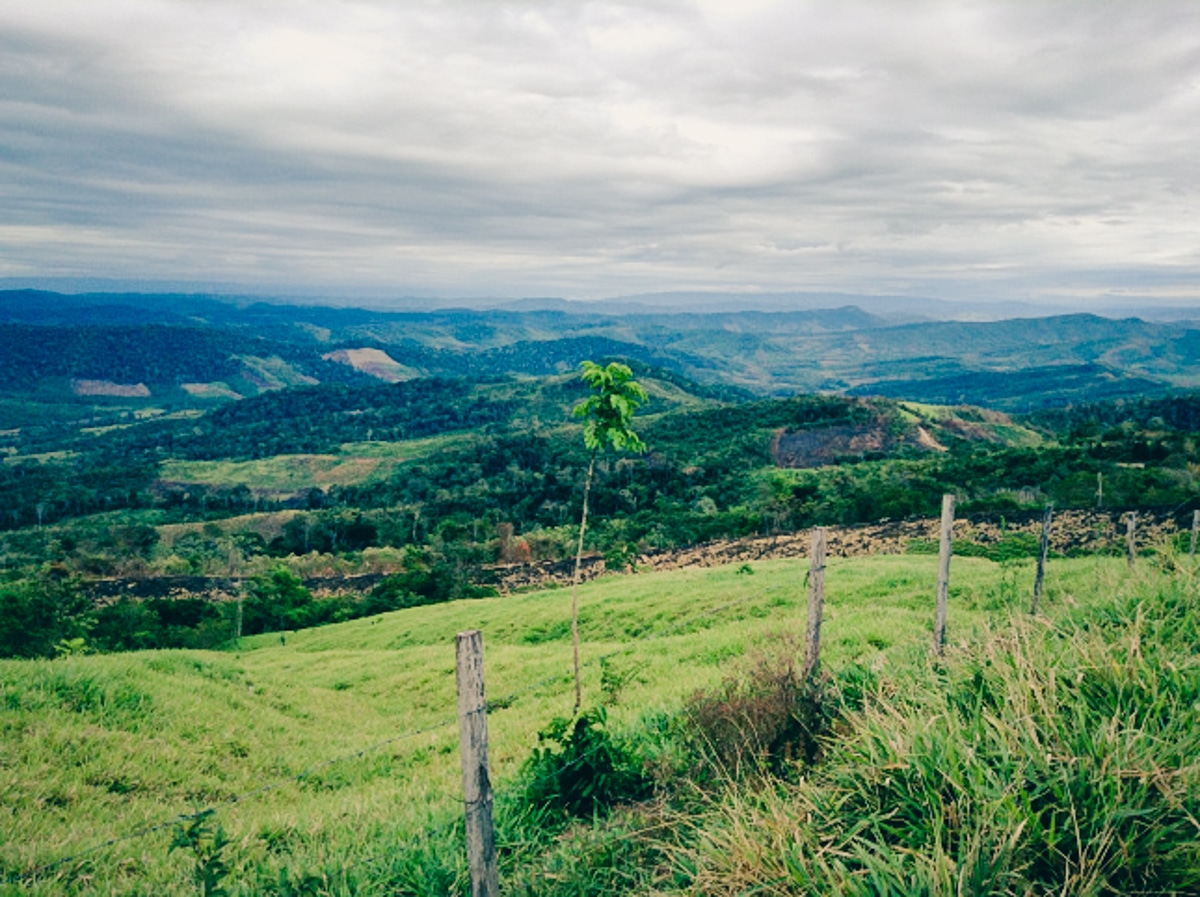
(477, 786)
(1130, 537)
(1043, 550)
(816, 602)
(1195, 531)
(943, 586)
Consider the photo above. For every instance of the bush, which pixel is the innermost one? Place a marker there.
(131, 625)
(761, 720)
(37, 614)
(582, 769)
(620, 557)
(275, 601)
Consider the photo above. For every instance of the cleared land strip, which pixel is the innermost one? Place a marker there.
(1074, 532)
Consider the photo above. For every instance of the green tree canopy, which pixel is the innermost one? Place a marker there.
(608, 412)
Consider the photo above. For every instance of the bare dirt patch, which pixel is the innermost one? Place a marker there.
(108, 388)
(374, 362)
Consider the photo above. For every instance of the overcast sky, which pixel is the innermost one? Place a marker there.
(1037, 151)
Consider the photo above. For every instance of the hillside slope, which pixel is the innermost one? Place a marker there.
(353, 726)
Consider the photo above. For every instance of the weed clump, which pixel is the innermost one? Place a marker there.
(582, 769)
(762, 720)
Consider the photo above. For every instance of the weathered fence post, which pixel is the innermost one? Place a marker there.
(816, 602)
(1130, 537)
(477, 786)
(237, 634)
(1043, 550)
(1195, 531)
(943, 586)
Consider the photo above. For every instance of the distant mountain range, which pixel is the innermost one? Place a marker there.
(894, 308)
(181, 348)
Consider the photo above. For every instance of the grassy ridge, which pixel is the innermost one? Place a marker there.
(96, 747)
(1045, 758)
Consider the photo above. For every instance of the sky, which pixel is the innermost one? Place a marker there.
(1030, 151)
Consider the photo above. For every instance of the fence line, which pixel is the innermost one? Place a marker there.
(503, 702)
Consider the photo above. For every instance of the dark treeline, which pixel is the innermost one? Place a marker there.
(47, 615)
(150, 354)
(1088, 420)
(35, 494)
(314, 419)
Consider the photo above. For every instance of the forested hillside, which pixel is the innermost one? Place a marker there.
(436, 481)
(229, 349)
(161, 357)
(229, 446)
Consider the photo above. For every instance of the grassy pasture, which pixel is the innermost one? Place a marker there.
(95, 747)
(357, 462)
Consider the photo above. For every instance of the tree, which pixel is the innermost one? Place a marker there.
(607, 415)
(37, 614)
(276, 601)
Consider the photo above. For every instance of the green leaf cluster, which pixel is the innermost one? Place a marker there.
(608, 412)
(582, 768)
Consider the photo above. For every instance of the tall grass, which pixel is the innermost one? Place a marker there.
(1043, 758)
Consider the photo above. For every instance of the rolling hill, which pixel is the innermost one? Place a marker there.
(224, 349)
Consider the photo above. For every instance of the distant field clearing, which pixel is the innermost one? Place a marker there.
(108, 388)
(375, 362)
(359, 462)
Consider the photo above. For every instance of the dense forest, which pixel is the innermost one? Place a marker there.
(487, 471)
(155, 355)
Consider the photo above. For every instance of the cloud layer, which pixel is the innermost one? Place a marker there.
(1014, 150)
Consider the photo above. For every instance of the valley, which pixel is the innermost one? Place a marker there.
(237, 542)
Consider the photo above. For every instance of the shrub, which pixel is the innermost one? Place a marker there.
(621, 556)
(581, 768)
(131, 625)
(38, 614)
(276, 600)
(759, 720)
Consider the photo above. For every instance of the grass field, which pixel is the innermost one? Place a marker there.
(96, 747)
(356, 463)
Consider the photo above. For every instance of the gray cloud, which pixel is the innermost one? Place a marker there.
(1006, 150)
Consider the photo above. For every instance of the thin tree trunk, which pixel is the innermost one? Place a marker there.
(587, 488)
(1043, 550)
